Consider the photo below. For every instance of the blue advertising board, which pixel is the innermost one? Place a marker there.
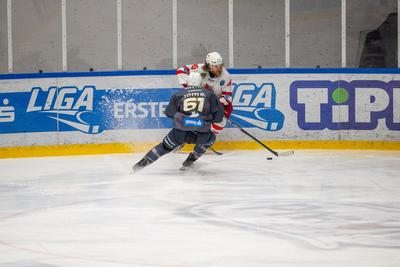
(91, 110)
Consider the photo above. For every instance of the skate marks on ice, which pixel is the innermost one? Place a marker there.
(322, 225)
(348, 199)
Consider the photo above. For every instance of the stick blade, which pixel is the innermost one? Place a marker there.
(216, 152)
(285, 153)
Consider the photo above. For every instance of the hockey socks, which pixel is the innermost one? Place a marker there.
(154, 154)
(199, 150)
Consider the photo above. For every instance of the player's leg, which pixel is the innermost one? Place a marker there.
(170, 142)
(203, 142)
(187, 137)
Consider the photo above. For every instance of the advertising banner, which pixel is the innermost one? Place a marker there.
(130, 108)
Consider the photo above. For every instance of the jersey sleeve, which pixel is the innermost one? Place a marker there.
(182, 75)
(226, 88)
(217, 109)
(172, 106)
(183, 72)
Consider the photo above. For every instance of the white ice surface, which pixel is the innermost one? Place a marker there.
(315, 208)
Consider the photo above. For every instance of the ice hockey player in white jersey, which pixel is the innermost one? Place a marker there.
(215, 78)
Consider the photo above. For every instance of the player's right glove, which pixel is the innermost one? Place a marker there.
(227, 106)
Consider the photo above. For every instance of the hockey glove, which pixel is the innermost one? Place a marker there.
(227, 106)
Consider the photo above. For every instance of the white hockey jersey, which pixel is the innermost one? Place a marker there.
(220, 85)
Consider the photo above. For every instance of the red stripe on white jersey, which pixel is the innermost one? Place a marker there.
(179, 71)
(216, 127)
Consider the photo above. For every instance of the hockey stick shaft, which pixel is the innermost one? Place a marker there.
(254, 138)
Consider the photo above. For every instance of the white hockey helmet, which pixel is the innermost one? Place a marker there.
(214, 58)
(194, 79)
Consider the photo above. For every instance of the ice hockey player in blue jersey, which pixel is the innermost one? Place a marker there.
(192, 111)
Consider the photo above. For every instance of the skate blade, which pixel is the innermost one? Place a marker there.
(183, 168)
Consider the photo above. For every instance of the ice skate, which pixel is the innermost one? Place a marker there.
(188, 163)
(140, 165)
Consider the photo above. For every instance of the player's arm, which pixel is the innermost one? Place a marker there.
(172, 106)
(217, 109)
(226, 100)
(182, 74)
(226, 97)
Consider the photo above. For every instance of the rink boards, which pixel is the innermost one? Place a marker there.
(104, 112)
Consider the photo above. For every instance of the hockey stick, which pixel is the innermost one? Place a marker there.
(216, 152)
(179, 150)
(276, 153)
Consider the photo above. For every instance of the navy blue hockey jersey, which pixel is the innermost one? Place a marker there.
(194, 109)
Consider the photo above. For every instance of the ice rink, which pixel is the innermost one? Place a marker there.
(315, 208)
